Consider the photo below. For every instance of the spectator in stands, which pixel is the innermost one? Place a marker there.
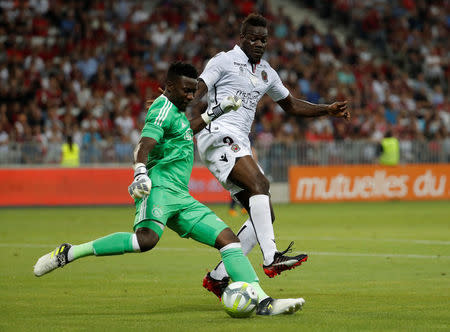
(65, 55)
(70, 153)
(388, 150)
(4, 143)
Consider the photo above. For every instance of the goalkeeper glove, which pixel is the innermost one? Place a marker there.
(141, 184)
(230, 103)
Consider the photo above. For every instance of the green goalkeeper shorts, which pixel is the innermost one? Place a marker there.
(180, 212)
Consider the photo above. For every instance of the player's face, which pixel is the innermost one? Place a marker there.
(182, 92)
(254, 42)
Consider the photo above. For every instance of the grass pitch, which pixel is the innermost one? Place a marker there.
(372, 267)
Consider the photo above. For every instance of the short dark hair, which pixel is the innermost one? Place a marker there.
(255, 20)
(178, 69)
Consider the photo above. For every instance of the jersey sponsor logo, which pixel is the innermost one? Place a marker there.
(224, 157)
(249, 99)
(157, 211)
(235, 147)
(239, 64)
(264, 76)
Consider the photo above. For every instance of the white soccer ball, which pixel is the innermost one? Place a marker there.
(239, 299)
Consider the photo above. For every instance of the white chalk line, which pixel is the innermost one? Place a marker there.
(354, 254)
(318, 253)
(431, 242)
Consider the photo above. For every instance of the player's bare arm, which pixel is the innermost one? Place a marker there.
(198, 107)
(141, 184)
(197, 124)
(142, 150)
(300, 107)
(202, 89)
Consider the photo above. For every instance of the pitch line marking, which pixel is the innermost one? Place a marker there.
(433, 242)
(319, 253)
(354, 254)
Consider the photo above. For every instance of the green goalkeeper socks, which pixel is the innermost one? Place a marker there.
(239, 268)
(113, 244)
(237, 265)
(81, 250)
(261, 293)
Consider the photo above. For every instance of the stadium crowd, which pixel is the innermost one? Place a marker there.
(86, 68)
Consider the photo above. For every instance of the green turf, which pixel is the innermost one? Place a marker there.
(372, 267)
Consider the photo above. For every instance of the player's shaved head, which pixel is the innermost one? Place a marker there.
(178, 69)
(255, 20)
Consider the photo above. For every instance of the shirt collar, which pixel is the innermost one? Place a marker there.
(241, 52)
(244, 56)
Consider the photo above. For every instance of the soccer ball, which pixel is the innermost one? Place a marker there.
(239, 299)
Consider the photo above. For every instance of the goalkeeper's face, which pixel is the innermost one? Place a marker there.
(254, 42)
(181, 91)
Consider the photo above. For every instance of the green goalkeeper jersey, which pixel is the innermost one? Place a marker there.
(170, 162)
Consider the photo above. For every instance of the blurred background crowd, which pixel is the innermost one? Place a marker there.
(85, 69)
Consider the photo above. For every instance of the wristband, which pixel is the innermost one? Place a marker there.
(139, 168)
(212, 114)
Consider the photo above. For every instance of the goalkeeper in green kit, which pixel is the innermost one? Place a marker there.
(163, 163)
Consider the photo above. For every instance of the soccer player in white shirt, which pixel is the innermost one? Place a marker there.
(224, 145)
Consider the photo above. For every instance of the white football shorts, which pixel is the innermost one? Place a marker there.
(218, 150)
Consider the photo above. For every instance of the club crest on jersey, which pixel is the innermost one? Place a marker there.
(157, 211)
(188, 135)
(264, 76)
(235, 147)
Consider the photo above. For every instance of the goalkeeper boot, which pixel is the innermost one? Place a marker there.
(52, 260)
(214, 285)
(271, 307)
(281, 262)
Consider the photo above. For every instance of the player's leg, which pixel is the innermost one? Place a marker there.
(148, 230)
(255, 197)
(236, 263)
(229, 158)
(246, 235)
(112, 244)
(198, 222)
(247, 175)
(146, 236)
(238, 266)
(248, 241)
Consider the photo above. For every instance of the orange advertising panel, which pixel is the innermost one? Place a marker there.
(369, 183)
(88, 186)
